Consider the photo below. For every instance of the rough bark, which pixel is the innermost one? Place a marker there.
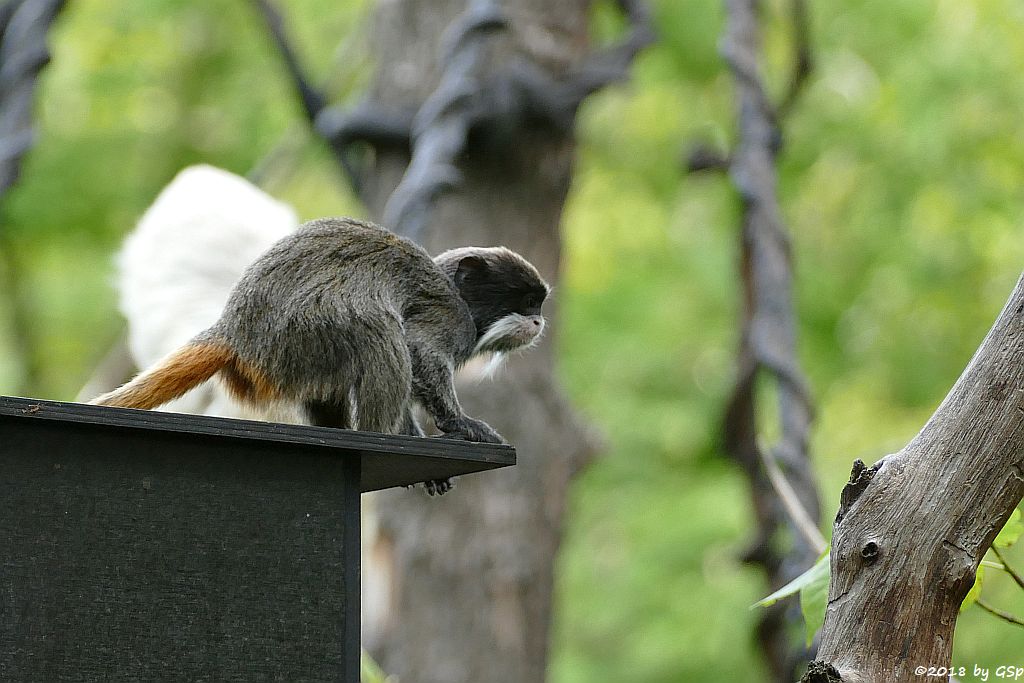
(912, 530)
(462, 584)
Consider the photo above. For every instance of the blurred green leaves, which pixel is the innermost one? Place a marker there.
(902, 180)
(135, 92)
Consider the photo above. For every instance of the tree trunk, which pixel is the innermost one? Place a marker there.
(458, 588)
(912, 530)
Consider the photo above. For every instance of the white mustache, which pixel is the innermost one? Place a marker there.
(511, 332)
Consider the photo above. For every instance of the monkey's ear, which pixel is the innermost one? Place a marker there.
(468, 268)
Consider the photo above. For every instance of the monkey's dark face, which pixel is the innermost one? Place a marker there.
(505, 294)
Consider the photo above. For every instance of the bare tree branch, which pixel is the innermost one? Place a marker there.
(521, 92)
(783, 489)
(556, 100)
(798, 515)
(314, 102)
(803, 57)
(442, 124)
(23, 54)
(517, 94)
(369, 122)
(770, 334)
(929, 514)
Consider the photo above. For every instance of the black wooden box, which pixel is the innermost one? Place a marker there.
(146, 546)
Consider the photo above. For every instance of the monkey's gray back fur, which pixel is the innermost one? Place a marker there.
(332, 312)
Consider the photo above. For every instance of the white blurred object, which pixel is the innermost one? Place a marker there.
(175, 273)
(177, 268)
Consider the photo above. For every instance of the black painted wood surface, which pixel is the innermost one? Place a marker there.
(143, 546)
(387, 460)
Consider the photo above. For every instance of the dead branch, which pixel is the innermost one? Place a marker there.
(907, 548)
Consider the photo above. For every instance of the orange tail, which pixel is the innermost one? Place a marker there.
(182, 370)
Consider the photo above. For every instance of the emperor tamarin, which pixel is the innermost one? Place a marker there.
(354, 323)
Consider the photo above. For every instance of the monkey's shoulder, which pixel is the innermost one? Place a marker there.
(432, 310)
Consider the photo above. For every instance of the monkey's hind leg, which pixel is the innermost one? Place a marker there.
(382, 390)
(380, 404)
(410, 426)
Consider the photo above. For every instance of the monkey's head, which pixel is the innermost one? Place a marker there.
(504, 293)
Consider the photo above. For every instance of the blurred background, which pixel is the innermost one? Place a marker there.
(901, 180)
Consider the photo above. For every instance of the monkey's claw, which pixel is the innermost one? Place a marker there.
(438, 487)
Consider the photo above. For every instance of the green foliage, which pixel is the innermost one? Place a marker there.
(1007, 536)
(135, 92)
(814, 598)
(812, 586)
(975, 592)
(900, 180)
(1011, 531)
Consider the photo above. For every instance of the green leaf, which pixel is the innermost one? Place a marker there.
(814, 597)
(813, 576)
(1011, 532)
(972, 595)
(812, 586)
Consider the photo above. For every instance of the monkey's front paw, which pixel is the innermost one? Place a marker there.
(468, 429)
(438, 487)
